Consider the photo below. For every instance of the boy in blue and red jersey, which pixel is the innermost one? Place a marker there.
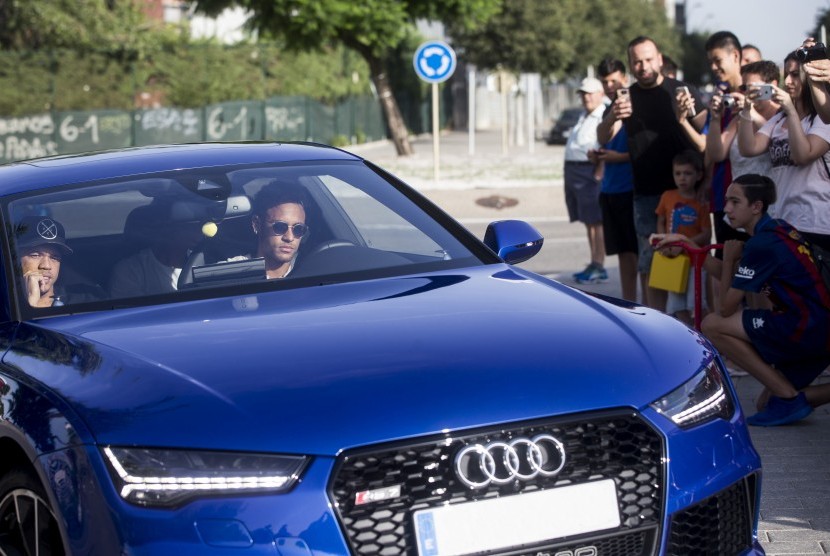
(792, 331)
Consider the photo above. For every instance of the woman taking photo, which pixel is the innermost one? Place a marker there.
(797, 142)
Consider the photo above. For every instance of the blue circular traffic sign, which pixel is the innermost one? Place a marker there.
(434, 61)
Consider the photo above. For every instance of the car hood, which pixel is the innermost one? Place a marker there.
(319, 370)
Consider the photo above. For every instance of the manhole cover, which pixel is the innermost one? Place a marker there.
(497, 202)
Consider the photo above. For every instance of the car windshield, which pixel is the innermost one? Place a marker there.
(221, 231)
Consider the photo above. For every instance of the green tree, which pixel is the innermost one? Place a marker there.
(372, 28)
(72, 54)
(196, 74)
(822, 20)
(563, 37)
(694, 63)
(88, 54)
(100, 25)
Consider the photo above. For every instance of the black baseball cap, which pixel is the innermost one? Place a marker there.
(32, 231)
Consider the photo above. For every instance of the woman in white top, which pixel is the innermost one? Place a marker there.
(797, 142)
(721, 143)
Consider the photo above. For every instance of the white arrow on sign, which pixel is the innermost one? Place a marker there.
(434, 61)
(430, 52)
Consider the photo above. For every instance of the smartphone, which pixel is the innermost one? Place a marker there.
(765, 92)
(685, 89)
(623, 94)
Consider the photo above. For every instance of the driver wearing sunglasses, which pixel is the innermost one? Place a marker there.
(279, 224)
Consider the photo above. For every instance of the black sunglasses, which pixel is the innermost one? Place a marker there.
(281, 228)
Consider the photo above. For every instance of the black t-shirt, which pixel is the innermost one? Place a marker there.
(654, 136)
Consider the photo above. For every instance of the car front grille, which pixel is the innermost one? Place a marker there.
(420, 475)
(721, 524)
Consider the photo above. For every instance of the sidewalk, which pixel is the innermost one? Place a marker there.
(476, 189)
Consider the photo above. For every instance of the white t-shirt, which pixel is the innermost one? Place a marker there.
(142, 274)
(741, 164)
(803, 191)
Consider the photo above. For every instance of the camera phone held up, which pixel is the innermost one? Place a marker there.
(809, 53)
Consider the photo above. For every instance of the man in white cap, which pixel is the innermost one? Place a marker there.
(582, 178)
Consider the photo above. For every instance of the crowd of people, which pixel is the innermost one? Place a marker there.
(651, 167)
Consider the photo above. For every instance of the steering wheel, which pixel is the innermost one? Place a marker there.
(330, 244)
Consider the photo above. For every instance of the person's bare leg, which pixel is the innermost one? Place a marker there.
(644, 287)
(817, 394)
(729, 337)
(685, 317)
(628, 275)
(712, 284)
(657, 298)
(596, 242)
(763, 398)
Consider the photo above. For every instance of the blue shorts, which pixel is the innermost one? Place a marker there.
(582, 193)
(800, 362)
(645, 224)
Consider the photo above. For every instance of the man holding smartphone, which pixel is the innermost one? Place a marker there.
(616, 197)
(655, 135)
(723, 50)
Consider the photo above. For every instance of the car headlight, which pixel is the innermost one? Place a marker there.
(703, 398)
(165, 477)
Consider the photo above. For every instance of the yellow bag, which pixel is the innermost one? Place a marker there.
(669, 273)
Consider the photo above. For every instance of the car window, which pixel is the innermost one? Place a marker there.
(378, 225)
(152, 239)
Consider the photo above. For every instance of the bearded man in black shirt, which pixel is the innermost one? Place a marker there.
(663, 117)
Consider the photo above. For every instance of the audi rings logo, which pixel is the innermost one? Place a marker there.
(499, 463)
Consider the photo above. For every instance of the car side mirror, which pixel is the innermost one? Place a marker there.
(515, 241)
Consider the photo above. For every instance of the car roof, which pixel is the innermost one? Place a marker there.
(41, 173)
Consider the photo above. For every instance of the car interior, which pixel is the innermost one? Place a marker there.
(351, 230)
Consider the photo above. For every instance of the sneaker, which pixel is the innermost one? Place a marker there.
(579, 276)
(781, 412)
(592, 274)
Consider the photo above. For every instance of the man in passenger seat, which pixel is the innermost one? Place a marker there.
(155, 269)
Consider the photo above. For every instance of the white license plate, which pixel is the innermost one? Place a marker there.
(516, 520)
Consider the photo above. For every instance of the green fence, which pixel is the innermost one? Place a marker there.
(355, 120)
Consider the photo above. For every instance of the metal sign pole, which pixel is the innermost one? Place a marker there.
(531, 113)
(471, 111)
(435, 130)
(434, 62)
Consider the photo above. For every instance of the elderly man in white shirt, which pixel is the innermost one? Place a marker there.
(583, 175)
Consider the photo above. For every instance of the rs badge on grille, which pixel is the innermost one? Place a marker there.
(377, 495)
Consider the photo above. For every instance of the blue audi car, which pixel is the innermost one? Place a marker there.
(282, 350)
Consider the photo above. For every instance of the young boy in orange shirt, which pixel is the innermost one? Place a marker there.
(681, 211)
